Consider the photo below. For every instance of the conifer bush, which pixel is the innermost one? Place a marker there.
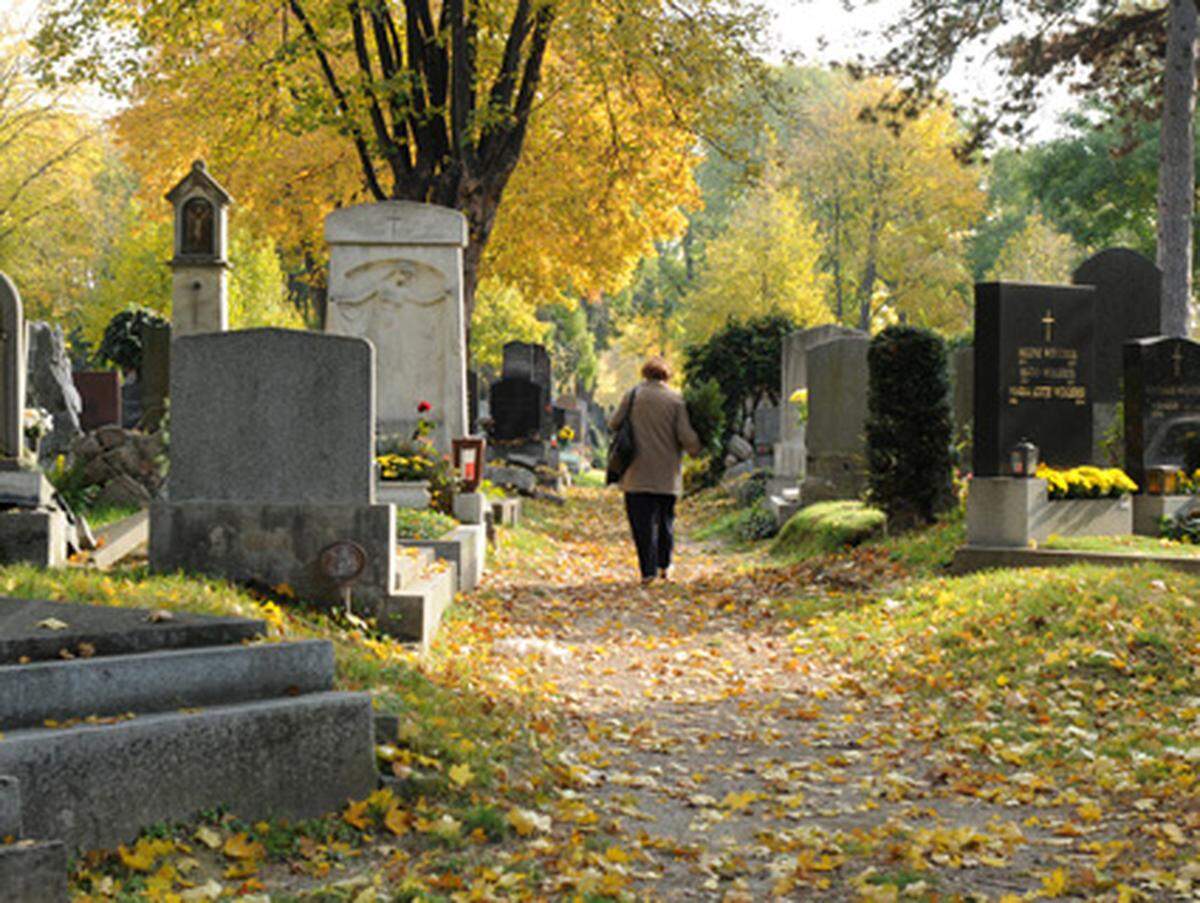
(909, 426)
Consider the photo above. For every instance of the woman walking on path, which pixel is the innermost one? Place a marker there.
(654, 479)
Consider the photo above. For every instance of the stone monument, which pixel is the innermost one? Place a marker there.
(790, 451)
(200, 268)
(32, 528)
(272, 463)
(395, 278)
(1034, 353)
(49, 386)
(1128, 306)
(836, 466)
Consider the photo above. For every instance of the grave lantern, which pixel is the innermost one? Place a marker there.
(1023, 459)
(200, 280)
(1161, 480)
(468, 461)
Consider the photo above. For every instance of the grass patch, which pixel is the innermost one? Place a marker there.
(827, 527)
(101, 516)
(1123, 545)
(422, 523)
(928, 549)
(590, 479)
(1062, 665)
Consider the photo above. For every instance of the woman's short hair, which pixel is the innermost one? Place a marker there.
(656, 368)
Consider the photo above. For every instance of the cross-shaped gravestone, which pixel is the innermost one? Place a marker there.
(1048, 321)
(12, 370)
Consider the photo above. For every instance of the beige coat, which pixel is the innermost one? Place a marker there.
(661, 433)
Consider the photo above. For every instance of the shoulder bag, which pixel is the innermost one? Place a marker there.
(623, 447)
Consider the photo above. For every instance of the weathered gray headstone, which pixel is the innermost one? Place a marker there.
(155, 378)
(395, 278)
(49, 386)
(837, 416)
(272, 415)
(790, 453)
(12, 371)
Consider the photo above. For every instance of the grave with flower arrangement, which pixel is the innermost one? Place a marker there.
(32, 527)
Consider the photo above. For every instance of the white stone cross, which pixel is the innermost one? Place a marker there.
(12, 371)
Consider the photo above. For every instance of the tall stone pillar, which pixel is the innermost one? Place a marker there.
(200, 267)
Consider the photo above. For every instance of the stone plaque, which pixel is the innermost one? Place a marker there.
(272, 416)
(395, 278)
(12, 371)
(1162, 403)
(1034, 354)
(1128, 306)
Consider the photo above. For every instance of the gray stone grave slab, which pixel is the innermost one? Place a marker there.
(272, 416)
(28, 631)
(837, 415)
(12, 371)
(155, 377)
(49, 386)
(790, 453)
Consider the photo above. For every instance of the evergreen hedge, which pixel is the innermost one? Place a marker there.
(909, 426)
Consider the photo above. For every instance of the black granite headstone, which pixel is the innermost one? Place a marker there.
(1162, 403)
(1034, 347)
(1128, 306)
(519, 410)
(524, 360)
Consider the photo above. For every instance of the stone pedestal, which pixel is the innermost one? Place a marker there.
(1149, 510)
(1011, 512)
(471, 507)
(33, 537)
(199, 299)
(1000, 510)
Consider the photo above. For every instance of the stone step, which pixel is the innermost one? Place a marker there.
(37, 630)
(783, 507)
(119, 540)
(465, 546)
(415, 612)
(33, 872)
(98, 786)
(411, 564)
(161, 681)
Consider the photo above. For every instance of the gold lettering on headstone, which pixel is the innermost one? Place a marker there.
(1048, 321)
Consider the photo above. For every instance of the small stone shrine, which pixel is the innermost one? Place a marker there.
(1034, 353)
(395, 278)
(836, 445)
(32, 528)
(272, 463)
(200, 267)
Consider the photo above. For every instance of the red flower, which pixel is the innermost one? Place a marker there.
(424, 407)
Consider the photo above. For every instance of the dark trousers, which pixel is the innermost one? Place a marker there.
(652, 519)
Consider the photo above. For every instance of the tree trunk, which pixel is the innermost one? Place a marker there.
(1176, 175)
(866, 291)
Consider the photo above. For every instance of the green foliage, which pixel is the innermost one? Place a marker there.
(743, 360)
(122, 342)
(828, 527)
(756, 522)
(426, 523)
(909, 425)
(414, 459)
(70, 483)
(572, 348)
(706, 411)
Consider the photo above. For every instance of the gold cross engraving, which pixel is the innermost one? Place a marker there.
(1177, 357)
(1049, 322)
